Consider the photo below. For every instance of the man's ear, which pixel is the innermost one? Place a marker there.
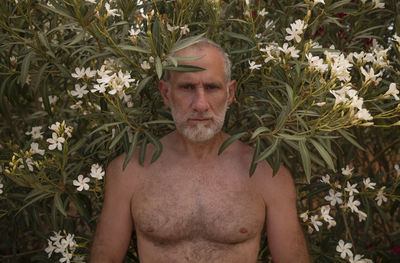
(232, 89)
(163, 88)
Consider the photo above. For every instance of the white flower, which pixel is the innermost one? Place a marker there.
(134, 32)
(35, 148)
(90, 73)
(340, 67)
(55, 142)
(145, 65)
(78, 259)
(184, 29)
(325, 179)
(356, 259)
(262, 12)
(325, 213)
(268, 23)
(351, 188)
(1, 186)
(361, 215)
(96, 171)
(333, 197)
(66, 257)
(331, 223)
(124, 79)
(392, 91)
(321, 104)
(319, 1)
(378, 4)
(315, 222)
(79, 91)
(397, 168)
(357, 102)
(347, 171)
(368, 184)
(92, 1)
(363, 114)
(79, 73)
(171, 28)
(50, 248)
(304, 216)
(36, 133)
(371, 76)
(289, 51)
(99, 88)
(111, 12)
(81, 183)
(56, 127)
(352, 204)
(295, 31)
(316, 63)
(344, 249)
(380, 197)
(253, 65)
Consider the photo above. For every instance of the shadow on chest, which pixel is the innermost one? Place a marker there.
(224, 210)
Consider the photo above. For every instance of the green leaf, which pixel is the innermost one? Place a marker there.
(59, 204)
(256, 152)
(258, 131)
(134, 48)
(26, 62)
(118, 137)
(348, 136)
(156, 142)
(238, 36)
(230, 140)
(324, 154)
(305, 158)
(44, 92)
(183, 45)
(184, 68)
(267, 152)
(77, 145)
(131, 149)
(142, 84)
(159, 68)
(39, 197)
(106, 127)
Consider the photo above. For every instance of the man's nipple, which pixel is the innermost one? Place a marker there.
(149, 229)
(243, 230)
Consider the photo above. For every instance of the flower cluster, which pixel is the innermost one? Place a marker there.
(96, 171)
(60, 131)
(63, 244)
(108, 80)
(345, 252)
(346, 198)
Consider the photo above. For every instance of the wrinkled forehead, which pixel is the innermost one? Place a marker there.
(210, 59)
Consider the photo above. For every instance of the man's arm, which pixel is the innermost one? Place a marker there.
(113, 232)
(286, 240)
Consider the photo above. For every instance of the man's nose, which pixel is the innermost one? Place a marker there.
(200, 103)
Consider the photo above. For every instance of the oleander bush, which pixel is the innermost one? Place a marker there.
(318, 91)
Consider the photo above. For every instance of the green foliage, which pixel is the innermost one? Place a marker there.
(87, 74)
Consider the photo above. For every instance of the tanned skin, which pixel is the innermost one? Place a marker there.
(193, 205)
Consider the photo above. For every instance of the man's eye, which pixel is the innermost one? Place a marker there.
(187, 86)
(211, 87)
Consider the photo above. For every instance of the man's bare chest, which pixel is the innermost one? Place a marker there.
(169, 209)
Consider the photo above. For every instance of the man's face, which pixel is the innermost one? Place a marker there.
(198, 100)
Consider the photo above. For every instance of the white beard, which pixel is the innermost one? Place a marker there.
(200, 132)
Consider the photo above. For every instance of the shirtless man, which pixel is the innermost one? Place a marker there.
(193, 205)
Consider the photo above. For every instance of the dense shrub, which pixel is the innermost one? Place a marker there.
(317, 91)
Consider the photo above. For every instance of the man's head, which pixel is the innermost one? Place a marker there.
(198, 100)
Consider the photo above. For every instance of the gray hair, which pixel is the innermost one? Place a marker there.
(204, 42)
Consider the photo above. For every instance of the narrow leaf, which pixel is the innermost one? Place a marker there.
(265, 154)
(59, 204)
(156, 142)
(131, 150)
(134, 48)
(159, 69)
(118, 137)
(324, 154)
(229, 141)
(305, 158)
(194, 40)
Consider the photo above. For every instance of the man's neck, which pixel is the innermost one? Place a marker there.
(198, 150)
